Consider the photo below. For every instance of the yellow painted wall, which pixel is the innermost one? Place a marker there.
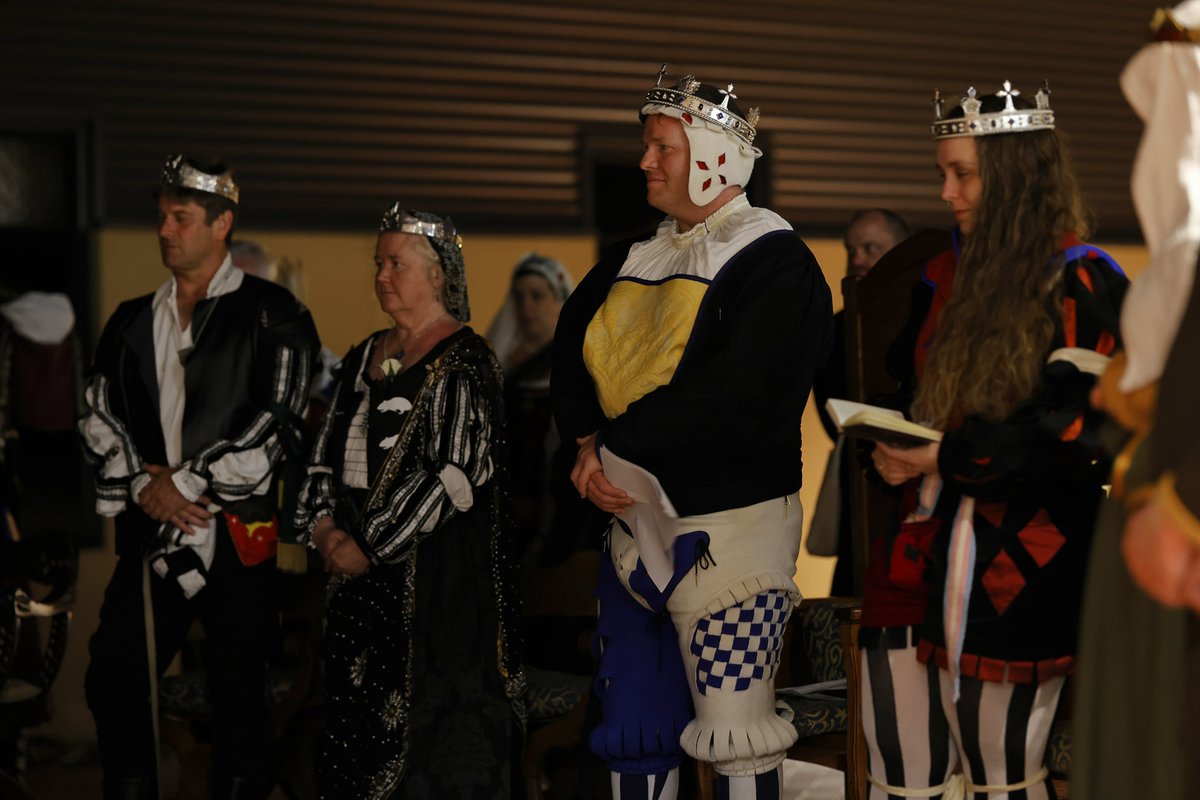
(338, 269)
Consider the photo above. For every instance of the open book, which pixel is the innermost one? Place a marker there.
(879, 424)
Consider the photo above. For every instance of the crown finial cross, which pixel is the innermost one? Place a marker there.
(662, 73)
(1043, 95)
(1008, 93)
(728, 94)
(937, 104)
(970, 105)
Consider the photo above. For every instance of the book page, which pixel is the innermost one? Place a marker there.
(843, 410)
(651, 519)
(885, 425)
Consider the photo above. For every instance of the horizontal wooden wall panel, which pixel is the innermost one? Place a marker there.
(330, 110)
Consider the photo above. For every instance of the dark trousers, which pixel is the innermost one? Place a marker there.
(238, 611)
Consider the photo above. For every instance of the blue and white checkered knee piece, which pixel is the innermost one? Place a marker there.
(740, 644)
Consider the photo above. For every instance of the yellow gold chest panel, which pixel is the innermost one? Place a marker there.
(637, 337)
(634, 342)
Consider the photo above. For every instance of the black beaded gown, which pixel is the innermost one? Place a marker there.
(422, 676)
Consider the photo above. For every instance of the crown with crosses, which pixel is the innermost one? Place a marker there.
(178, 172)
(706, 102)
(1009, 120)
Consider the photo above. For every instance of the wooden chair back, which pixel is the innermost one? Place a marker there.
(877, 307)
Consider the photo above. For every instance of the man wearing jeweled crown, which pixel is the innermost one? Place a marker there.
(688, 357)
(192, 398)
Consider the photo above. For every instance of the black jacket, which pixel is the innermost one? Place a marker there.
(247, 379)
(725, 431)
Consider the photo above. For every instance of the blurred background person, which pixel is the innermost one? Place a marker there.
(521, 336)
(870, 234)
(251, 258)
(40, 398)
(1136, 692)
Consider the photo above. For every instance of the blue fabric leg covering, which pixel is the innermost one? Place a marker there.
(660, 786)
(644, 698)
(687, 550)
(767, 786)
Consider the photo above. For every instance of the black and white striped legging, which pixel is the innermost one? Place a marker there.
(915, 733)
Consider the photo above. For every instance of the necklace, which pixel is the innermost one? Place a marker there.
(392, 365)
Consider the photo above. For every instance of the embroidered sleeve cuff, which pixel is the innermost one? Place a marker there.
(139, 482)
(109, 508)
(1177, 509)
(189, 484)
(458, 487)
(306, 536)
(241, 473)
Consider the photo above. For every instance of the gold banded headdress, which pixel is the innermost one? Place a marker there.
(446, 243)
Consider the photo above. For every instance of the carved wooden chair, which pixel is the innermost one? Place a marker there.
(557, 700)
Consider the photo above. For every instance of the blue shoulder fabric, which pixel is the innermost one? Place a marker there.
(1079, 252)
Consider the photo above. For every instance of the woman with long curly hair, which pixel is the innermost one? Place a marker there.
(972, 605)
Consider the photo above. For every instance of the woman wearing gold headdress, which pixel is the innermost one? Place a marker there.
(404, 501)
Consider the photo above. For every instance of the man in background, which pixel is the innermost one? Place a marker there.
(870, 234)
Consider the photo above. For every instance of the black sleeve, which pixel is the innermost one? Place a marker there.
(1053, 436)
(288, 351)
(108, 445)
(830, 380)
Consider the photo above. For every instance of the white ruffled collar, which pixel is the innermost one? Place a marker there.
(710, 224)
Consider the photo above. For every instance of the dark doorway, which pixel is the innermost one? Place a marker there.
(46, 210)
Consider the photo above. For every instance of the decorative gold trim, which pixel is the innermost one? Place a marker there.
(1164, 27)
(1122, 463)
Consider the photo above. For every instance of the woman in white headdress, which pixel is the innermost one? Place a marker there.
(521, 336)
(1135, 697)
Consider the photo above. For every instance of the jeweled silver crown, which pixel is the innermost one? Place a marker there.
(397, 219)
(686, 95)
(177, 172)
(1009, 120)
